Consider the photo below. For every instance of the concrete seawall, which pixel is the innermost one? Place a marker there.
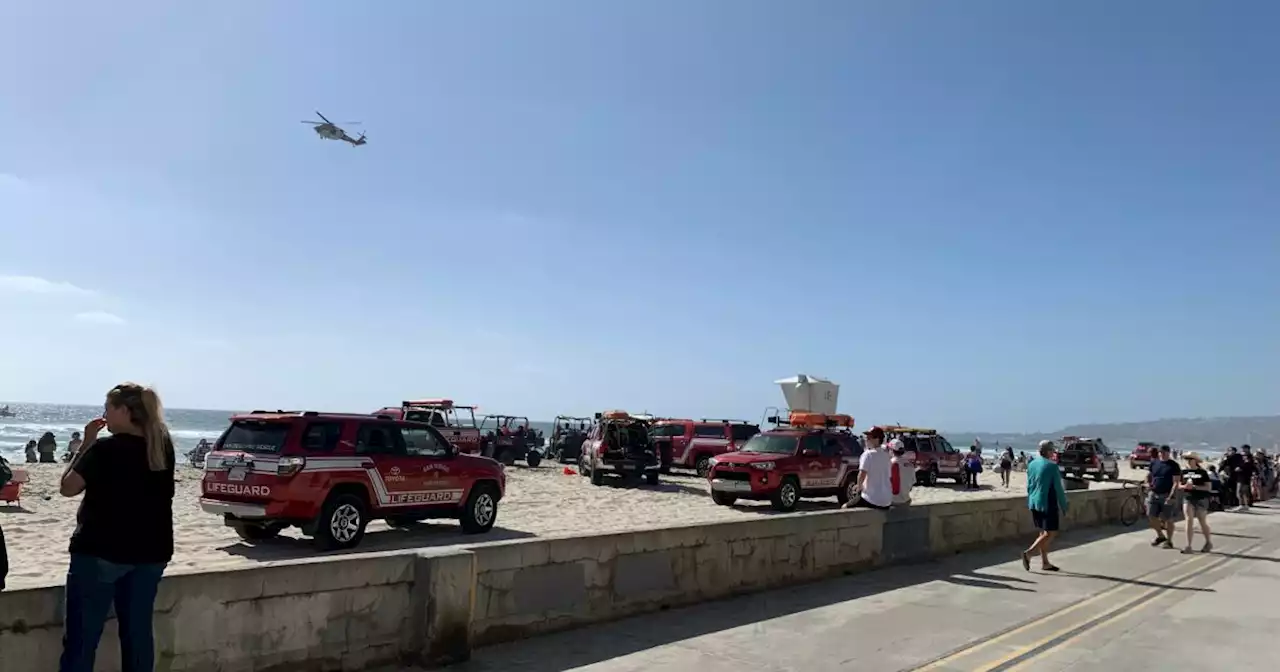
(349, 613)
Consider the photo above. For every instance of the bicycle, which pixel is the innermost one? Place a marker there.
(1134, 506)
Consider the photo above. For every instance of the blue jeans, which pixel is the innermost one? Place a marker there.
(93, 585)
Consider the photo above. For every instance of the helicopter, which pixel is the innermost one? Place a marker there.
(330, 131)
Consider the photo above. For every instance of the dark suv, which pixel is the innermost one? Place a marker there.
(692, 443)
(331, 473)
(619, 443)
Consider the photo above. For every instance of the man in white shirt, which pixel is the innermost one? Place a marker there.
(875, 487)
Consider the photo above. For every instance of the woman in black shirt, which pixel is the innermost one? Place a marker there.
(1198, 487)
(124, 535)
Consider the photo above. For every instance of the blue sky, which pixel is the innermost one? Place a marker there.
(987, 215)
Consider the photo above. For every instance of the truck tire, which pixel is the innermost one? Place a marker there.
(702, 464)
(533, 458)
(480, 511)
(651, 477)
(848, 491)
(342, 521)
(787, 496)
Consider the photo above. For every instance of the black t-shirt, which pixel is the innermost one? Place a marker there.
(1163, 475)
(1196, 478)
(126, 515)
(1247, 468)
(1231, 463)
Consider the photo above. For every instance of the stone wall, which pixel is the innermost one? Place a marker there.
(525, 588)
(352, 612)
(339, 614)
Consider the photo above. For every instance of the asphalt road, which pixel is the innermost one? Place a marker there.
(1117, 604)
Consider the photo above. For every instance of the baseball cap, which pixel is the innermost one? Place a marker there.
(875, 433)
(897, 446)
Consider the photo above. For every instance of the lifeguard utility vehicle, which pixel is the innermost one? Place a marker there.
(805, 455)
(457, 423)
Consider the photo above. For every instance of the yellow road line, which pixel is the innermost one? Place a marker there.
(964, 653)
(1131, 607)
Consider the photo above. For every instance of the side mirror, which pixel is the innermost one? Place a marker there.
(808, 452)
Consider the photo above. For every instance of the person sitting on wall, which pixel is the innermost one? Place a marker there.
(903, 475)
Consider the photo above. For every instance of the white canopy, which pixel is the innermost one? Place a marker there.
(809, 393)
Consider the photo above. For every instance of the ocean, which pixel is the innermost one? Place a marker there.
(187, 426)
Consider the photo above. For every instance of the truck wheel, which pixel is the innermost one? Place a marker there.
(256, 531)
(849, 491)
(507, 456)
(702, 465)
(723, 498)
(533, 458)
(481, 510)
(597, 478)
(931, 476)
(787, 496)
(342, 522)
(651, 477)
(1114, 475)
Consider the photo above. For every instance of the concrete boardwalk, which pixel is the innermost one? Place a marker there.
(1117, 604)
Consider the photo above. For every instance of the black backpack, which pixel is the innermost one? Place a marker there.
(6, 474)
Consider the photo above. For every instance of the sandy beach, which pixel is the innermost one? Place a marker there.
(539, 503)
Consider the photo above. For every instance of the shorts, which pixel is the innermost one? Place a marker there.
(861, 503)
(1198, 506)
(1046, 521)
(1158, 508)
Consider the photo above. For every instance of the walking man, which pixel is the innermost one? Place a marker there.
(1162, 503)
(1047, 499)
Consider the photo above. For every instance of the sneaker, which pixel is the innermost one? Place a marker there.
(1207, 547)
(1159, 540)
(1167, 544)
(1187, 551)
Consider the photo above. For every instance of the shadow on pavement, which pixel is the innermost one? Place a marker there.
(563, 651)
(421, 535)
(1242, 556)
(1135, 582)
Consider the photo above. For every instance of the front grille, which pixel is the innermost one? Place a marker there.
(732, 475)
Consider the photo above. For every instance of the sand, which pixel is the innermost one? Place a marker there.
(540, 502)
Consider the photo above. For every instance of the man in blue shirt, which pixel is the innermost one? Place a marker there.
(1163, 507)
(1047, 499)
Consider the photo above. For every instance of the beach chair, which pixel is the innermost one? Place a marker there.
(11, 492)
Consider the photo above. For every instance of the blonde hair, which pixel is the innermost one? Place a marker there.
(147, 414)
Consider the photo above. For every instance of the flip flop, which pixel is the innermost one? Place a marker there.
(1026, 561)
(1049, 568)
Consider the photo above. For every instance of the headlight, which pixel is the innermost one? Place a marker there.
(763, 466)
(711, 462)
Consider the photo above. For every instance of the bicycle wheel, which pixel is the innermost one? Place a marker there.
(1130, 511)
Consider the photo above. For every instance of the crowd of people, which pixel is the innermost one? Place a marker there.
(45, 449)
(1174, 493)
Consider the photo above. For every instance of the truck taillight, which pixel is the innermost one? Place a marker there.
(289, 466)
(1096, 461)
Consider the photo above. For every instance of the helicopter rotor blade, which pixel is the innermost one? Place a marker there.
(314, 123)
(326, 119)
